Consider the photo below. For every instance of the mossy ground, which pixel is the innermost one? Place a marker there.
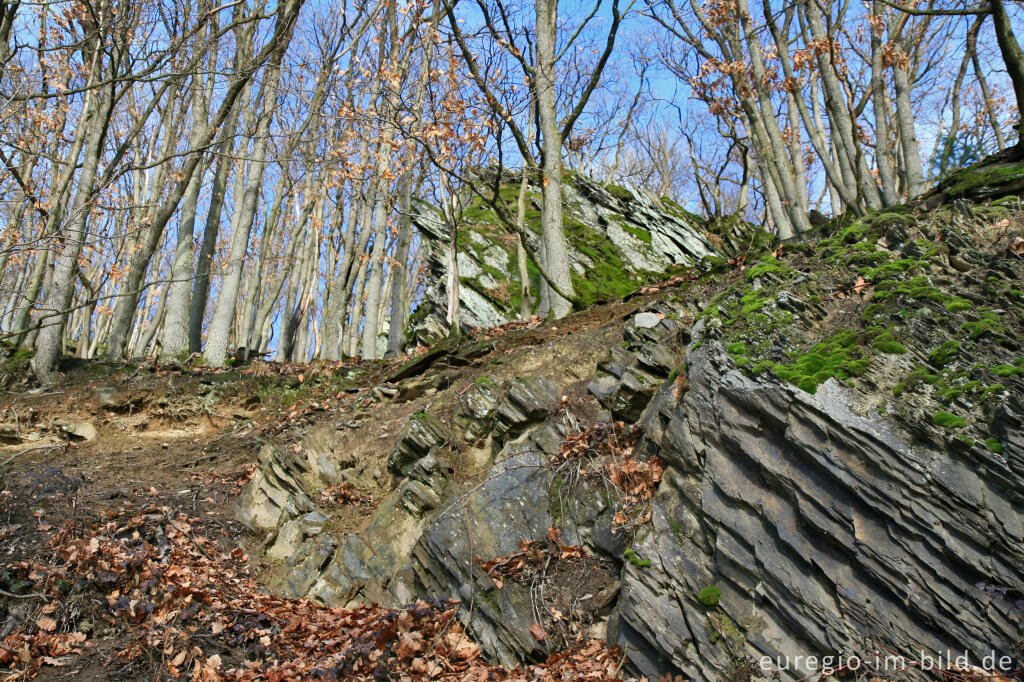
(877, 305)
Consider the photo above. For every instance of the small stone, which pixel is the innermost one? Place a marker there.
(602, 388)
(313, 523)
(646, 320)
(105, 396)
(81, 431)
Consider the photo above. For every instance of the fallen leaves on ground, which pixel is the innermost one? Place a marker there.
(532, 553)
(193, 606)
(609, 450)
(343, 493)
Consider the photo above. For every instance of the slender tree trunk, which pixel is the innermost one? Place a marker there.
(174, 340)
(840, 112)
(359, 260)
(971, 49)
(524, 272)
(878, 102)
(556, 253)
(138, 349)
(380, 233)
(149, 239)
(220, 327)
(400, 267)
(908, 134)
(334, 334)
(53, 315)
(201, 287)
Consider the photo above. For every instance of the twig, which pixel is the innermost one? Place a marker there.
(34, 595)
(27, 450)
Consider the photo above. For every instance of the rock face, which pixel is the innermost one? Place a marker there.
(825, 501)
(619, 239)
(823, 530)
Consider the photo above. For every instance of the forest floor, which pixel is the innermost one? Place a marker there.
(120, 558)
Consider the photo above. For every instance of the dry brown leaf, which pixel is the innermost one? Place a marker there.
(409, 644)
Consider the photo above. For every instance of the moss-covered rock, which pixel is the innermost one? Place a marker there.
(987, 180)
(619, 240)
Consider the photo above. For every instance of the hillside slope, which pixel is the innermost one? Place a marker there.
(805, 449)
(836, 427)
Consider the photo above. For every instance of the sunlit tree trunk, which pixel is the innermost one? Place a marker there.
(556, 253)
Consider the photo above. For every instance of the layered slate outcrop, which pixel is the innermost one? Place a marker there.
(840, 427)
(619, 239)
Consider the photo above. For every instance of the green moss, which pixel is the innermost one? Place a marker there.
(753, 302)
(889, 270)
(969, 179)
(950, 392)
(853, 233)
(958, 305)
(994, 445)
(631, 556)
(1007, 370)
(887, 343)
(919, 375)
(769, 267)
(673, 208)
(619, 192)
(609, 278)
(917, 288)
(992, 390)
(989, 323)
(869, 256)
(872, 311)
(18, 357)
(884, 219)
(710, 595)
(941, 356)
(991, 213)
(840, 357)
(641, 234)
(948, 420)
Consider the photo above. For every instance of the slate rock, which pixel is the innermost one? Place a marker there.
(422, 433)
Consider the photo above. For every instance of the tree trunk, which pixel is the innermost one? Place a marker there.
(524, 272)
(971, 49)
(1012, 55)
(556, 253)
(53, 310)
(905, 125)
(880, 107)
(201, 287)
(174, 340)
(380, 234)
(216, 351)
